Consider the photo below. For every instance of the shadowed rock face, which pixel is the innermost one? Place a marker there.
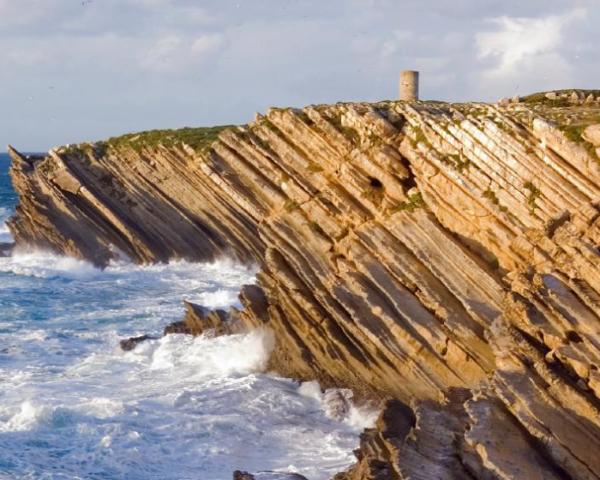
(444, 255)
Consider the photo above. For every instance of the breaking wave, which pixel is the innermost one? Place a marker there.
(176, 407)
(74, 405)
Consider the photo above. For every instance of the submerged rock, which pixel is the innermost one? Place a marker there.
(239, 475)
(132, 342)
(199, 320)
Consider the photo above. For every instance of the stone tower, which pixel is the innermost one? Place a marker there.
(409, 85)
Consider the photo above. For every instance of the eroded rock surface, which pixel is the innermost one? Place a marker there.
(443, 255)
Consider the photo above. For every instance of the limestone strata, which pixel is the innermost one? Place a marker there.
(443, 255)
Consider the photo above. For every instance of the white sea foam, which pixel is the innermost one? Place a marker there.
(175, 407)
(5, 235)
(356, 416)
(204, 356)
(42, 264)
(24, 419)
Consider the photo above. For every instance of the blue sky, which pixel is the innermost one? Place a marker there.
(80, 70)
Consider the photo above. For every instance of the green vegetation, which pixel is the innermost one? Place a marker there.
(414, 202)
(491, 196)
(420, 136)
(373, 194)
(540, 97)
(534, 193)
(460, 163)
(348, 132)
(261, 143)
(314, 167)
(315, 227)
(197, 138)
(290, 205)
(575, 134)
(494, 264)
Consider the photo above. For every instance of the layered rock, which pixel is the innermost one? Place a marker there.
(444, 255)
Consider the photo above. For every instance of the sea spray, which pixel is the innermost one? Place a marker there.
(74, 405)
(5, 236)
(176, 407)
(338, 404)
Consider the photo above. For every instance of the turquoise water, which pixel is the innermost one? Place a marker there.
(74, 406)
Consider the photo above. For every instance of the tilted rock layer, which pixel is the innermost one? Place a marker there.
(443, 255)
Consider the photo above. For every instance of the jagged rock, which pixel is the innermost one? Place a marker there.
(198, 320)
(239, 475)
(177, 327)
(132, 342)
(592, 134)
(444, 255)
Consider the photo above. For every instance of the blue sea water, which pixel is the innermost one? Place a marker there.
(74, 406)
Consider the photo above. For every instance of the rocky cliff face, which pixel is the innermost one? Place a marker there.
(443, 255)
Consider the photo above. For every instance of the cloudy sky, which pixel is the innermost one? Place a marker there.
(78, 70)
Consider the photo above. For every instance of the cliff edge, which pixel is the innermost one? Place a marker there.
(442, 256)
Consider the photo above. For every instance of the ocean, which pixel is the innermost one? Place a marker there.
(73, 405)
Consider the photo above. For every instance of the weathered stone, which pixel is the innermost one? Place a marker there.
(132, 342)
(180, 327)
(239, 475)
(443, 255)
(592, 134)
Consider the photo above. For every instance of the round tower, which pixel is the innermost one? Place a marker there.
(409, 85)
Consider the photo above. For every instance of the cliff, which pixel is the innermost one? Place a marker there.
(442, 255)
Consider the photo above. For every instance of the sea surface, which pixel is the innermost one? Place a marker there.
(74, 406)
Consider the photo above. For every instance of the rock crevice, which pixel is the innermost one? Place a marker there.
(444, 255)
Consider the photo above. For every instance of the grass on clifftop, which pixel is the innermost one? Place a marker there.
(199, 138)
(540, 97)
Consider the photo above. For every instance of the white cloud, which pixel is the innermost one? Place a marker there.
(123, 65)
(176, 53)
(520, 41)
(24, 12)
(208, 43)
(163, 55)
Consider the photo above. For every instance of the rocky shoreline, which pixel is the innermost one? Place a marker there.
(441, 257)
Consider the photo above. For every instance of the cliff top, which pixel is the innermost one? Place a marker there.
(572, 111)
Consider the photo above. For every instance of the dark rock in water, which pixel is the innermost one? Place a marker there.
(177, 327)
(198, 320)
(6, 249)
(131, 343)
(239, 475)
(405, 250)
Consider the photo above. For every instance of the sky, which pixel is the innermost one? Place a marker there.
(85, 70)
